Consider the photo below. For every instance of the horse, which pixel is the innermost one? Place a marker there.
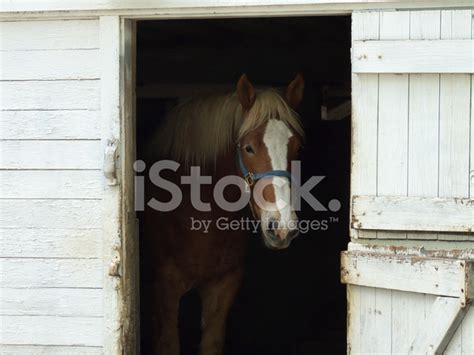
(250, 133)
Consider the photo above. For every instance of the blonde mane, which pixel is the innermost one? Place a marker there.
(199, 130)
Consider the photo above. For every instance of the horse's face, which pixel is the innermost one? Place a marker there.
(270, 148)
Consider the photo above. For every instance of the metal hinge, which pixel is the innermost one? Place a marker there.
(114, 267)
(110, 158)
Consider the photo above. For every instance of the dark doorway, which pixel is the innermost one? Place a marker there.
(291, 302)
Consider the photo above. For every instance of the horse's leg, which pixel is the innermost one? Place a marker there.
(168, 290)
(217, 298)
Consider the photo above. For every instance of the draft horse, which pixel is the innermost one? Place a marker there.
(250, 133)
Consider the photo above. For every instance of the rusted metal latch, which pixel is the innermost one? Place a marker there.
(110, 157)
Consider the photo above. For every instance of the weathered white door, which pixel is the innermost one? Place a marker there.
(409, 264)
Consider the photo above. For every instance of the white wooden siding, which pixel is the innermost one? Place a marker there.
(51, 301)
(51, 154)
(50, 124)
(50, 349)
(412, 132)
(47, 35)
(51, 184)
(30, 242)
(50, 95)
(45, 330)
(412, 137)
(50, 65)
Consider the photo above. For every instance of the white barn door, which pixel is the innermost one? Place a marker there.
(409, 265)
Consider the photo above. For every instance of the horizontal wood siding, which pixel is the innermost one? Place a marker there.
(49, 349)
(47, 35)
(51, 188)
(46, 273)
(51, 154)
(52, 330)
(51, 213)
(51, 184)
(50, 65)
(33, 242)
(49, 95)
(50, 124)
(64, 302)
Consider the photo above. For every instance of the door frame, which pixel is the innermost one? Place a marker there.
(120, 229)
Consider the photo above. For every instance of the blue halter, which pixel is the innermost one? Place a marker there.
(250, 177)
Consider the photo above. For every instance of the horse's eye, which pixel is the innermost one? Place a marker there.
(248, 148)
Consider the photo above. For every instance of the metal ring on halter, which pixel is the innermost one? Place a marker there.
(250, 177)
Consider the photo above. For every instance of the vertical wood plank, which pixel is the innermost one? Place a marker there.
(110, 38)
(468, 332)
(456, 24)
(394, 25)
(416, 314)
(392, 164)
(368, 324)
(455, 96)
(425, 24)
(383, 320)
(364, 139)
(365, 26)
(423, 140)
(400, 322)
(424, 118)
(353, 320)
(471, 163)
(392, 160)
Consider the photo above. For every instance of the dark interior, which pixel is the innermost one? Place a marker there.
(291, 302)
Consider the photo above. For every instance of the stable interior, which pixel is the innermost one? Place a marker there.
(291, 302)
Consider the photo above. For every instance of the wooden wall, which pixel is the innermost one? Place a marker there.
(51, 188)
(413, 136)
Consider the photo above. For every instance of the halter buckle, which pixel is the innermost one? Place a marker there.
(249, 179)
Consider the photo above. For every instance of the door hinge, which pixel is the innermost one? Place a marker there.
(110, 158)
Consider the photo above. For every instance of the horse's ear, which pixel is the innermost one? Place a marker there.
(245, 92)
(294, 92)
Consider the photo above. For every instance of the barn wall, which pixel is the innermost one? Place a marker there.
(51, 188)
(412, 136)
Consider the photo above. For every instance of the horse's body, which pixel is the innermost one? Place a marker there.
(206, 132)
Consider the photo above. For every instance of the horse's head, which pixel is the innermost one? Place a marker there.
(269, 139)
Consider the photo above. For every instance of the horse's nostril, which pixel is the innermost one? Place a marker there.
(272, 236)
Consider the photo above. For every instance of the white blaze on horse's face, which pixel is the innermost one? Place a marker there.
(279, 220)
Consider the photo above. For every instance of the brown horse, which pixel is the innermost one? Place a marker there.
(201, 242)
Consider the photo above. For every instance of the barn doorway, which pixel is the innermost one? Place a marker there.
(291, 302)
